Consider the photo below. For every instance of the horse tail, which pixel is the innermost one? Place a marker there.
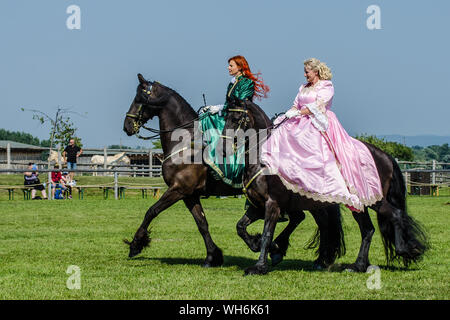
(336, 232)
(412, 233)
(335, 241)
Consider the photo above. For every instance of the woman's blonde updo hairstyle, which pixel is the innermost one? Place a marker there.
(320, 67)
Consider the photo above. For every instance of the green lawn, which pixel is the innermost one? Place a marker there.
(39, 240)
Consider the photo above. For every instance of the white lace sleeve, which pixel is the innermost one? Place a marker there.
(319, 120)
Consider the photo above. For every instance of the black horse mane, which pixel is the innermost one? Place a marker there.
(260, 117)
(183, 103)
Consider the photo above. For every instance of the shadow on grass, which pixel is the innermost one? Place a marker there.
(286, 265)
(235, 261)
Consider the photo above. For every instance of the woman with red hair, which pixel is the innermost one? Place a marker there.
(244, 86)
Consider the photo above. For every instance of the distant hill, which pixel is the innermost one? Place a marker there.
(422, 141)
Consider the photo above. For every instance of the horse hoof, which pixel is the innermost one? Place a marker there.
(318, 266)
(355, 268)
(276, 258)
(401, 252)
(133, 253)
(212, 263)
(255, 270)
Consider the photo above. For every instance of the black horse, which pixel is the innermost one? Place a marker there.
(189, 181)
(403, 238)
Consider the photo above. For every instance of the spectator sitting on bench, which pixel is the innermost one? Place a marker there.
(31, 179)
(67, 181)
(57, 181)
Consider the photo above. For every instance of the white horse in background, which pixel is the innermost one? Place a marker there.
(56, 157)
(99, 160)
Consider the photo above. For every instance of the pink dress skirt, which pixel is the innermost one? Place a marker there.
(314, 156)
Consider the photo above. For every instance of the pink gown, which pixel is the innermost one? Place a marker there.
(314, 156)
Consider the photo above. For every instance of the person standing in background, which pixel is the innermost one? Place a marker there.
(70, 155)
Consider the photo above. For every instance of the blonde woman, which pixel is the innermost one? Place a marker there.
(313, 154)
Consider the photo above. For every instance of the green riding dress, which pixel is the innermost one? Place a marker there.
(228, 169)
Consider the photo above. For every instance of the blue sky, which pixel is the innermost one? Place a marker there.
(389, 81)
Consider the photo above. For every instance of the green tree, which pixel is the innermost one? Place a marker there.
(62, 127)
(116, 146)
(397, 150)
(157, 144)
(17, 136)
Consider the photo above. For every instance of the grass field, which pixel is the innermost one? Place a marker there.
(39, 240)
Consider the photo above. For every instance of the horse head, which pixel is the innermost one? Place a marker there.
(121, 157)
(149, 100)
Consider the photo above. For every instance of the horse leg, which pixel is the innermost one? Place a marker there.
(367, 230)
(280, 245)
(141, 238)
(214, 256)
(253, 241)
(272, 213)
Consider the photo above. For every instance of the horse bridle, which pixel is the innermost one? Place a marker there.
(137, 118)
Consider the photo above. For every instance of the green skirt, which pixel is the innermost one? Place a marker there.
(228, 169)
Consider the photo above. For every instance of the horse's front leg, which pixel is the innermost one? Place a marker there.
(280, 245)
(272, 213)
(253, 241)
(141, 238)
(214, 256)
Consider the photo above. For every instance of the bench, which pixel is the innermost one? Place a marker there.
(156, 191)
(144, 191)
(26, 192)
(121, 191)
(82, 188)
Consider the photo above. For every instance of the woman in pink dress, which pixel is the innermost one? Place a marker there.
(312, 153)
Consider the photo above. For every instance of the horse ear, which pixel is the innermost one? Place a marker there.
(141, 79)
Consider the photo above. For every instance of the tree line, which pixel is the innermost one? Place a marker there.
(23, 137)
(415, 153)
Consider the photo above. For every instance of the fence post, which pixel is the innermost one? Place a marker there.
(433, 175)
(150, 163)
(116, 186)
(105, 158)
(59, 155)
(406, 182)
(49, 186)
(8, 156)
